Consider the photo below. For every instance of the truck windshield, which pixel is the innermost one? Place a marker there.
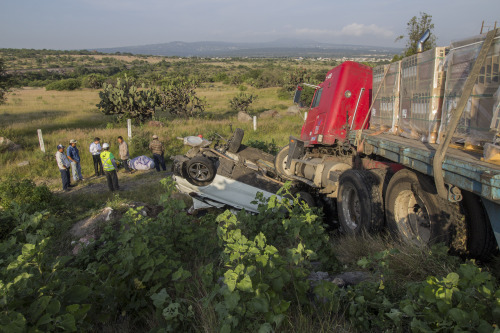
(317, 97)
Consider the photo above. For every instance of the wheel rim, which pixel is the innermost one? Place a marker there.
(351, 206)
(283, 166)
(199, 171)
(412, 217)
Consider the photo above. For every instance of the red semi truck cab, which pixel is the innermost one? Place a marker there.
(339, 104)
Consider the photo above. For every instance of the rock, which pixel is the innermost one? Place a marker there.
(244, 117)
(154, 123)
(270, 114)
(351, 278)
(147, 210)
(23, 163)
(81, 243)
(86, 227)
(8, 145)
(341, 280)
(294, 109)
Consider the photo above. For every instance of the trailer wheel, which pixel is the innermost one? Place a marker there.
(280, 162)
(234, 142)
(481, 242)
(359, 202)
(415, 212)
(200, 171)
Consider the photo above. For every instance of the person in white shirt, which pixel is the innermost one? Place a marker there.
(63, 164)
(95, 150)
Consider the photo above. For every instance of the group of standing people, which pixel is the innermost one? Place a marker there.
(104, 161)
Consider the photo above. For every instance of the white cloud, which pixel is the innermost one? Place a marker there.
(353, 29)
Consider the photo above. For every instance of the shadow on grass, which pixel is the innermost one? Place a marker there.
(15, 118)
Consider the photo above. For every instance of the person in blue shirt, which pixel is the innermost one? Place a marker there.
(74, 157)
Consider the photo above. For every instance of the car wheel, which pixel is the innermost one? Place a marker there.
(200, 171)
(234, 142)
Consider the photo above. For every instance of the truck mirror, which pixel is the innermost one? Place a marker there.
(296, 97)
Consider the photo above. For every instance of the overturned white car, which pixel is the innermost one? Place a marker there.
(227, 174)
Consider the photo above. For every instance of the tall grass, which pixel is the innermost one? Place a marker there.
(66, 115)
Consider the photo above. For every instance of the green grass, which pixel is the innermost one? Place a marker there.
(73, 115)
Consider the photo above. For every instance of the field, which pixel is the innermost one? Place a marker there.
(158, 269)
(65, 115)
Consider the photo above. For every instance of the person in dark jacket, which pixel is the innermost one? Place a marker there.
(157, 149)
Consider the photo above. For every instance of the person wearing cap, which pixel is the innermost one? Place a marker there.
(95, 150)
(64, 164)
(157, 149)
(74, 157)
(124, 154)
(109, 166)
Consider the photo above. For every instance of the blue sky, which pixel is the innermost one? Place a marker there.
(87, 24)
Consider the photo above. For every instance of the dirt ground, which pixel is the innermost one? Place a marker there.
(127, 182)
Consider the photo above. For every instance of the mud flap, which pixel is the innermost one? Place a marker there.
(295, 151)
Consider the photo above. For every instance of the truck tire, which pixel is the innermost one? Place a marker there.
(234, 142)
(280, 161)
(416, 213)
(200, 171)
(359, 202)
(481, 242)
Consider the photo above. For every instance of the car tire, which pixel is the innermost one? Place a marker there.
(200, 171)
(359, 202)
(280, 161)
(234, 142)
(307, 198)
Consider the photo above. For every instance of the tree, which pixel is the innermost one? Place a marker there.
(124, 99)
(415, 28)
(242, 101)
(179, 98)
(3, 82)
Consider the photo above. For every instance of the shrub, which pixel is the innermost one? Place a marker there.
(93, 81)
(67, 84)
(268, 147)
(179, 98)
(242, 101)
(124, 99)
(26, 194)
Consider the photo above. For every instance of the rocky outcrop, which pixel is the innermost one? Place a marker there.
(270, 114)
(244, 117)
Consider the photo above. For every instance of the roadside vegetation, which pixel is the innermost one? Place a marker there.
(173, 272)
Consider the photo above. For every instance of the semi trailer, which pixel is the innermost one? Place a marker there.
(408, 147)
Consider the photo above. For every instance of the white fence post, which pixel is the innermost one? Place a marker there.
(254, 123)
(129, 127)
(40, 139)
(305, 116)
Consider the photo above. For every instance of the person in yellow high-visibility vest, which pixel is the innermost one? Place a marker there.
(109, 167)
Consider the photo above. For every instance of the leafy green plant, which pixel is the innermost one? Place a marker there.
(179, 98)
(66, 84)
(242, 101)
(268, 147)
(125, 99)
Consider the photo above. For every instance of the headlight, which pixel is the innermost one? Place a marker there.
(320, 138)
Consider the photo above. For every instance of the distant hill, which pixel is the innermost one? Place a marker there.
(279, 48)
